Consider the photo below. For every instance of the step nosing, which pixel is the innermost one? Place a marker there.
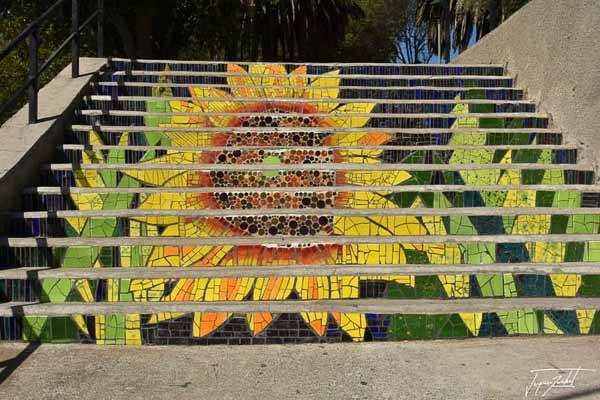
(109, 98)
(331, 64)
(319, 167)
(342, 212)
(341, 188)
(289, 241)
(579, 268)
(426, 131)
(334, 114)
(341, 86)
(376, 306)
(387, 77)
(199, 148)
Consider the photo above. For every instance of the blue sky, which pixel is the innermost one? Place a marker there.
(472, 40)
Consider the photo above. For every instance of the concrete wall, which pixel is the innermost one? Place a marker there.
(26, 147)
(553, 48)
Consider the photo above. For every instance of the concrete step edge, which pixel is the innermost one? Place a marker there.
(317, 167)
(289, 241)
(119, 98)
(336, 212)
(592, 188)
(449, 147)
(124, 113)
(333, 64)
(349, 87)
(579, 268)
(425, 131)
(135, 72)
(374, 306)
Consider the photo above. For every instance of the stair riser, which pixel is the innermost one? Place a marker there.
(369, 287)
(374, 122)
(451, 82)
(66, 179)
(315, 68)
(142, 106)
(300, 225)
(437, 253)
(407, 139)
(59, 202)
(136, 329)
(387, 156)
(345, 93)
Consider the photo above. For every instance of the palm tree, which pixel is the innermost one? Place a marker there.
(459, 18)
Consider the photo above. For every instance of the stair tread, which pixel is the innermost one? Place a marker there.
(137, 72)
(280, 240)
(319, 167)
(120, 113)
(584, 268)
(425, 131)
(449, 147)
(592, 188)
(345, 211)
(376, 306)
(97, 97)
(351, 87)
(333, 64)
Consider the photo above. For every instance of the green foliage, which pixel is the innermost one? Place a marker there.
(246, 30)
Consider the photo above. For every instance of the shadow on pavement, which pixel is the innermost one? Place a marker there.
(9, 366)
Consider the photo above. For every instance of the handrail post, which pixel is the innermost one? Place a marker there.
(75, 44)
(33, 71)
(100, 28)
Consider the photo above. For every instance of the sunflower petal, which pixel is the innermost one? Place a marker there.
(376, 178)
(354, 324)
(342, 116)
(248, 85)
(268, 289)
(271, 85)
(299, 82)
(325, 87)
(207, 322)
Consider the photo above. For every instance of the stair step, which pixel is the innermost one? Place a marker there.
(363, 91)
(126, 98)
(340, 75)
(591, 188)
(342, 115)
(390, 108)
(328, 130)
(124, 63)
(22, 273)
(339, 212)
(353, 155)
(319, 167)
(371, 306)
(267, 148)
(290, 241)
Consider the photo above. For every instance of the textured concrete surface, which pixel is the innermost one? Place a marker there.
(553, 49)
(467, 369)
(25, 147)
(365, 305)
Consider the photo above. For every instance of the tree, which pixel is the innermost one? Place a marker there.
(460, 18)
(388, 32)
(288, 30)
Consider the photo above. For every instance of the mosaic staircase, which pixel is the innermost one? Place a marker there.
(201, 203)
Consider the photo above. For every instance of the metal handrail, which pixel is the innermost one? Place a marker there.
(34, 69)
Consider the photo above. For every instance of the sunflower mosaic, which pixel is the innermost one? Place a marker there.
(266, 105)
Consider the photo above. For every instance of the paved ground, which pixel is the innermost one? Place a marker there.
(458, 369)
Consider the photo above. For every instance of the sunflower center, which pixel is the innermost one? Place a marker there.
(288, 154)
